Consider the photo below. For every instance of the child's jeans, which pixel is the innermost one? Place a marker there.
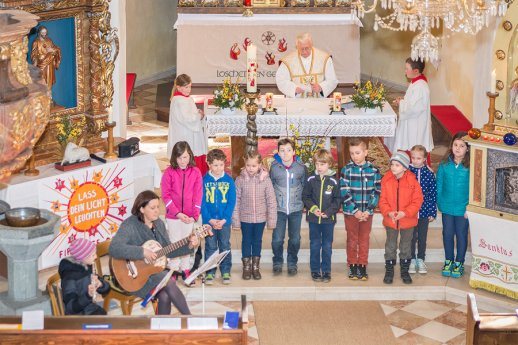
(391, 244)
(220, 240)
(358, 234)
(419, 238)
(293, 219)
(320, 246)
(455, 228)
(177, 231)
(252, 239)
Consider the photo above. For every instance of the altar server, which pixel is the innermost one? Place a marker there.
(187, 123)
(414, 124)
(306, 72)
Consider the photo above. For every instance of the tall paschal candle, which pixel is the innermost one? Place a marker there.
(251, 68)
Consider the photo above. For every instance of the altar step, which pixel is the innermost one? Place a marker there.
(430, 286)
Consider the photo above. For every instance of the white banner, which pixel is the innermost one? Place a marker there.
(213, 47)
(494, 245)
(91, 202)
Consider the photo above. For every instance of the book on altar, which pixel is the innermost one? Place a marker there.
(157, 289)
(202, 323)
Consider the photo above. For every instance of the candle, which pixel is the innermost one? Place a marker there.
(269, 101)
(110, 114)
(248, 3)
(251, 68)
(337, 101)
(493, 81)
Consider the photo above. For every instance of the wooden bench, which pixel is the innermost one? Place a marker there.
(124, 330)
(490, 328)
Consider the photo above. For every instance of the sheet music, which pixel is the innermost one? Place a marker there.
(210, 263)
(169, 323)
(201, 323)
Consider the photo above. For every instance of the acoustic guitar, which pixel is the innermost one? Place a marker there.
(132, 275)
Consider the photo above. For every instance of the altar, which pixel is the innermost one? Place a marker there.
(91, 201)
(311, 117)
(214, 45)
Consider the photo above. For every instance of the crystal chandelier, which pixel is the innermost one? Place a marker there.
(468, 16)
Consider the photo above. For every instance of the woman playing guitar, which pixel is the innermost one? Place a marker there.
(142, 226)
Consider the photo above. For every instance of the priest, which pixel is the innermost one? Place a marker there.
(307, 72)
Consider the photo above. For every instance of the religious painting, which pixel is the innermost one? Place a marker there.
(52, 49)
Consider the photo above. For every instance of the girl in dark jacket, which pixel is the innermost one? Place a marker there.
(78, 283)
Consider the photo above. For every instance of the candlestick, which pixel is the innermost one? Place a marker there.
(337, 101)
(31, 167)
(251, 109)
(269, 101)
(251, 69)
(493, 81)
(110, 154)
(490, 125)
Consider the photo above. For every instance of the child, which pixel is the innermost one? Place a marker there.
(78, 283)
(452, 199)
(428, 211)
(219, 199)
(415, 124)
(181, 191)
(256, 206)
(322, 200)
(288, 178)
(186, 122)
(360, 187)
(400, 200)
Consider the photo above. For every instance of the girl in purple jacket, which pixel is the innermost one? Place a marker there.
(182, 192)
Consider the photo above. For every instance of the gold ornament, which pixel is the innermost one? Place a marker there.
(500, 54)
(507, 25)
(499, 85)
(499, 115)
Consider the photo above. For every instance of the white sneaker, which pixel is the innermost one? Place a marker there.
(421, 266)
(411, 269)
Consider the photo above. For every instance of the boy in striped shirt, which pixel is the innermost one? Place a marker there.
(360, 185)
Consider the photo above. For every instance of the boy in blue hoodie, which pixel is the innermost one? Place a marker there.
(428, 211)
(219, 199)
(288, 177)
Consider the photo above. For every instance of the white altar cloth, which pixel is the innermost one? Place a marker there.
(205, 43)
(309, 116)
(22, 191)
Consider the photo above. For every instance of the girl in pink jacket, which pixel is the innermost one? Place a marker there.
(182, 192)
(256, 206)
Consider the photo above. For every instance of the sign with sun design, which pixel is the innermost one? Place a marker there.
(91, 202)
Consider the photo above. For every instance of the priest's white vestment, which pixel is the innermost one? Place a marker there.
(297, 71)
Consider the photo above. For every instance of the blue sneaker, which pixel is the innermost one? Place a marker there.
(446, 269)
(458, 270)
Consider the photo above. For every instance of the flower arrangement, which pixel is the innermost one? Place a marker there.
(69, 130)
(370, 95)
(228, 95)
(306, 146)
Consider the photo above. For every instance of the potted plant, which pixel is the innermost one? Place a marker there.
(228, 97)
(369, 96)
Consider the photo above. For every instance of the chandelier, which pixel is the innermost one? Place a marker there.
(467, 16)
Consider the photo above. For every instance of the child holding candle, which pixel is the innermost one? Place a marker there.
(187, 123)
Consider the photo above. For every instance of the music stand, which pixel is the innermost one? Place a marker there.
(212, 262)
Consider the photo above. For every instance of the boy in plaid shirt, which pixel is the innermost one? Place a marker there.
(360, 183)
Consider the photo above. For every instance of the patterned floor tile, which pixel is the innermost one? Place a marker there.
(406, 320)
(458, 340)
(415, 339)
(447, 304)
(387, 309)
(398, 332)
(453, 318)
(438, 331)
(426, 309)
(397, 304)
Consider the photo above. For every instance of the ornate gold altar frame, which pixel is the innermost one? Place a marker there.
(96, 46)
(268, 3)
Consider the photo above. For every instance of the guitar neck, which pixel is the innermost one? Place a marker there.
(172, 247)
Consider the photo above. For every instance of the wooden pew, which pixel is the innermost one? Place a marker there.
(130, 330)
(490, 328)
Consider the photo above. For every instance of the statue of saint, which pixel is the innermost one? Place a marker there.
(46, 56)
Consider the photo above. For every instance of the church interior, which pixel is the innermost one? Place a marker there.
(87, 94)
